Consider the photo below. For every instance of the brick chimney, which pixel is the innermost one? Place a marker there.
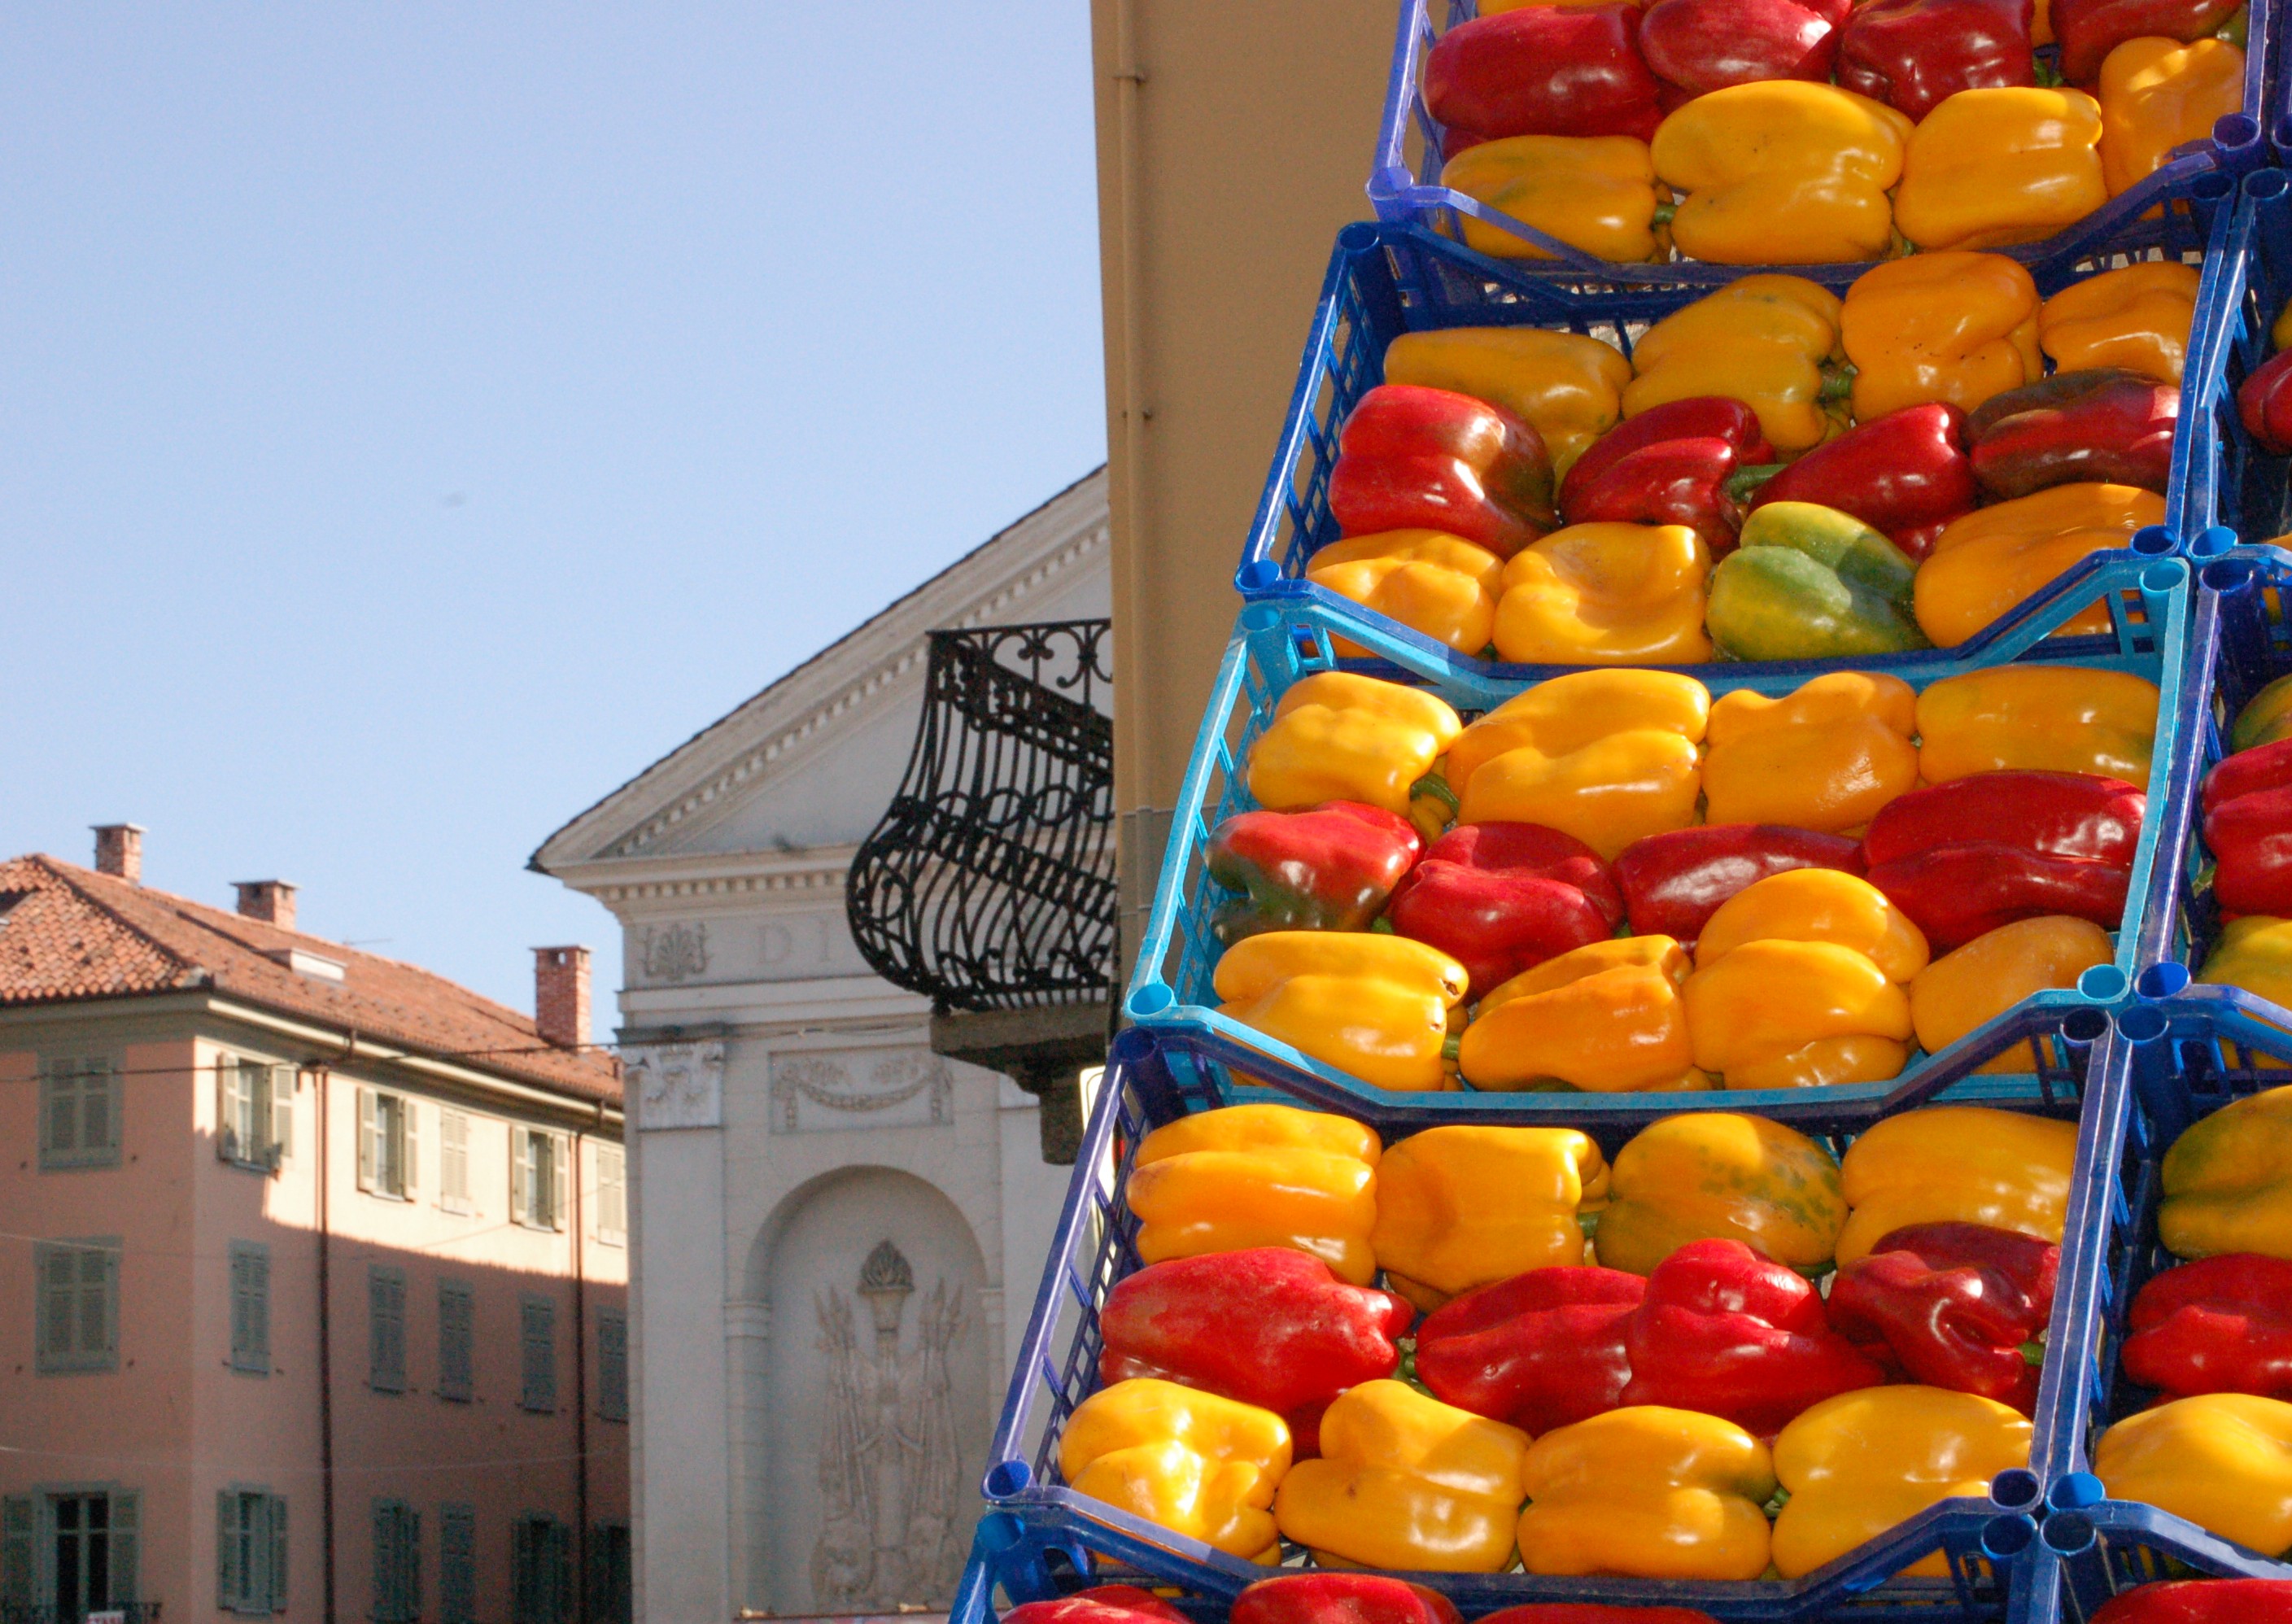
(561, 995)
(119, 851)
(272, 902)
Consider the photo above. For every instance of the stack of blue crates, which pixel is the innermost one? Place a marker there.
(2133, 1054)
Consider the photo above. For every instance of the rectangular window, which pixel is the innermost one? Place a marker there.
(537, 1323)
(397, 1563)
(387, 1144)
(77, 1311)
(457, 1564)
(612, 1195)
(454, 1161)
(254, 1111)
(612, 1595)
(385, 1296)
(250, 1308)
(536, 1179)
(612, 1364)
(457, 1324)
(250, 1551)
(79, 1113)
(83, 1549)
(541, 1571)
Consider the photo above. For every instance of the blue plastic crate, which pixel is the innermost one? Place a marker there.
(1047, 1538)
(2166, 1063)
(1275, 648)
(1385, 281)
(1405, 182)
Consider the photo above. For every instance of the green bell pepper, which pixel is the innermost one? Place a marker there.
(1808, 582)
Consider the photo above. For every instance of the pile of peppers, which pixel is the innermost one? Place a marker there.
(2245, 803)
(1589, 1367)
(1775, 472)
(1615, 882)
(1808, 132)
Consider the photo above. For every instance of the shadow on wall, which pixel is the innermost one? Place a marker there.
(867, 1396)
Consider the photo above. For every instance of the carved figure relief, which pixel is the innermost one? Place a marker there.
(889, 1477)
(886, 1081)
(676, 1085)
(674, 954)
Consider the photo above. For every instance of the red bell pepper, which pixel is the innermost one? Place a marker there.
(2217, 1325)
(2105, 423)
(1672, 883)
(1699, 45)
(1596, 1612)
(1541, 1350)
(1412, 457)
(1501, 898)
(2263, 401)
(1951, 1305)
(2088, 31)
(1916, 54)
(1906, 475)
(1678, 482)
(1965, 857)
(2201, 1601)
(1725, 1331)
(1546, 70)
(1328, 869)
(2247, 800)
(1099, 1604)
(1269, 1326)
(1327, 1596)
(1696, 417)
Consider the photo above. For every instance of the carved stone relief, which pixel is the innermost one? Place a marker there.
(676, 1085)
(866, 1089)
(674, 953)
(889, 1469)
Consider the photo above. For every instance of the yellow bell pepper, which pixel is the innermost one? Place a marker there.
(2156, 93)
(1956, 1164)
(1605, 1018)
(1337, 736)
(1798, 983)
(1996, 971)
(1650, 1493)
(2227, 1181)
(1466, 1205)
(1407, 1482)
(2048, 718)
(1992, 167)
(1605, 594)
(1251, 1175)
(1569, 387)
(1987, 563)
(1958, 327)
(2255, 953)
(1428, 580)
(1767, 341)
(1197, 1463)
(1782, 172)
(1608, 756)
(2223, 1460)
(1859, 1464)
(1593, 192)
(2265, 718)
(2136, 318)
(1368, 1003)
(1824, 756)
(1717, 1175)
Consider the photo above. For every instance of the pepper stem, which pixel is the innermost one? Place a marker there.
(1663, 213)
(1451, 1047)
(1744, 482)
(1433, 785)
(1839, 384)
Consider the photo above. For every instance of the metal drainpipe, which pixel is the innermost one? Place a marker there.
(580, 1389)
(325, 1072)
(1134, 835)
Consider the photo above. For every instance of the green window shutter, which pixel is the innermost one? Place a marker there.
(560, 1169)
(250, 1308)
(255, 1596)
(99, 1108)
(57, 1270)
(59, 1115)
(520, 1153)
(521, 1571)
(410, 1147)
(457, 1564)
(385, 1562)
(612, 1364)
(560, 1539)
(126, 1544)
(277, 1554)
(16, 1551)
(538, 1354)
(457, 1340)
(386, 1328)
(232, 1080)
(282, 1112)
(369, 1140)
(410, 1525)
(229, 1583)
(98, 1291)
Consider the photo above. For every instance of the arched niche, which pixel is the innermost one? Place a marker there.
(872, 1389)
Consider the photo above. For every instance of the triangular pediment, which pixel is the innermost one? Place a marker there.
(811, 761)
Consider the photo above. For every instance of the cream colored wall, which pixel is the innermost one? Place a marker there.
(1233, 141)
(176, 1423)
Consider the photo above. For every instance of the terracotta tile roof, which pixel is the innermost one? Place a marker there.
(69, 934)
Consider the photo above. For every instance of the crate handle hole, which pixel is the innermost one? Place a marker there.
(2261, 185)
(2141, 1023)
(2162, 981)
(2003, 1538)
(2069, 1533)
(2153, 541)
(1151, 1000)
(2226, 575)
(2103, 983)
(1256, 576)
(1004, 1479)
(1258, 617)
(2076, 1491)
(2015, 1488)
(2084, 1025)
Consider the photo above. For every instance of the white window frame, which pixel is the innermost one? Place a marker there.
(529, 1148)
(454, 1138)
(389, 1144)
(250, 1550)
(254, 1111)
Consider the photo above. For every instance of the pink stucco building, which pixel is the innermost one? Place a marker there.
(313, 1272)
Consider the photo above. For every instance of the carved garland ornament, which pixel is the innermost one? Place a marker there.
(894, 1080)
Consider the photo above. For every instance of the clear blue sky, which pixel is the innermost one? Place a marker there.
(417, 418)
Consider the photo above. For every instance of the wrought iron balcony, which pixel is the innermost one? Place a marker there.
(989, 887)
(47, 1612)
